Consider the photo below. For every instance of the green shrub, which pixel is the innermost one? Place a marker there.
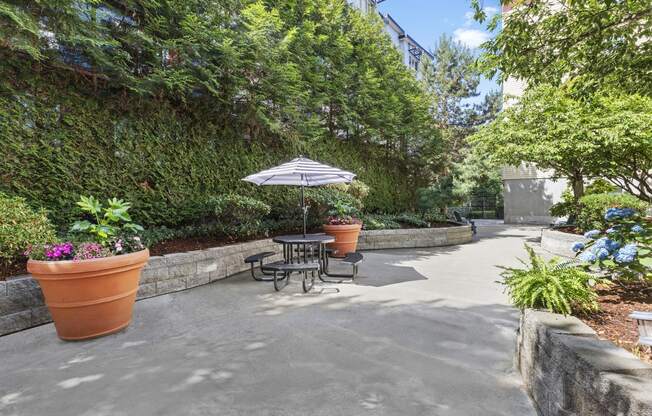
(550, 286)
(20, 227)
(593, 207)
(435, 216)
(239, 216)
(393, 221)
(411, 219)
(568, 207)
(380, 222)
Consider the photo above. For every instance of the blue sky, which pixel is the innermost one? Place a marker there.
(426, 20)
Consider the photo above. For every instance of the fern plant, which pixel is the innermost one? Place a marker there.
(559, 288)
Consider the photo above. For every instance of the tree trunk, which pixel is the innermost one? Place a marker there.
(577, 183)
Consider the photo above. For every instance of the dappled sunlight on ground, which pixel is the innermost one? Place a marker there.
(420, 332)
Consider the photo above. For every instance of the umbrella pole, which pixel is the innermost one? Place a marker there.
(303, 208)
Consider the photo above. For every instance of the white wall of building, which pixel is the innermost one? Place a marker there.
(528, 192)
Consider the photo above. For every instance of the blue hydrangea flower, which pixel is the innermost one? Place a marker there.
(592, 234)
(588, 257)
(578, 246)
(616, 213)
(606, 243)
(613, 245)
(627, 212)
(626, 254)
(637, 229)
(602, 254)
(602, 242)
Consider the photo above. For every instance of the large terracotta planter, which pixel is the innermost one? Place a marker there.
(90, 298)
(346, 238)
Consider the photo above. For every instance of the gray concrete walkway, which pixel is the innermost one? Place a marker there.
(423, 332)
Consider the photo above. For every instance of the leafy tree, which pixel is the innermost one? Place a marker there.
(609, 136)
(596, 43)
(476, 174)
(452, 81)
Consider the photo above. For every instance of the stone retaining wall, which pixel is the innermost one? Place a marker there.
(568, 370)
(559, 243)
(21, 300)
(414, 238)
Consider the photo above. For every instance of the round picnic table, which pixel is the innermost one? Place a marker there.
(304, 248)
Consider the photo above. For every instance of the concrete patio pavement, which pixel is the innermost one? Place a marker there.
(422, 332)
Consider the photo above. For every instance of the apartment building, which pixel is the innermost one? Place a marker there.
(411, 51)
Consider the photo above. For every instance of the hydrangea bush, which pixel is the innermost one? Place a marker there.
(624, 249)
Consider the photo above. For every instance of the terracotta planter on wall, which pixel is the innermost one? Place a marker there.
(346, 238)
(90, 298)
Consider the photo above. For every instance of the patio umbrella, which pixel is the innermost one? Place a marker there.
(301, 172)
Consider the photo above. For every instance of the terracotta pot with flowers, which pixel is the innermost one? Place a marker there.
(345, 227)
(90, 284)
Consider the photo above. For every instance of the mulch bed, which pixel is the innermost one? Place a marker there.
(613, 323)
(14, 269)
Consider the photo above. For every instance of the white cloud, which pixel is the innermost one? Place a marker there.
(471, 38)
(490, 10)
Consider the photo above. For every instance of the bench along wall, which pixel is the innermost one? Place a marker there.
(22, 305)
(569, 371)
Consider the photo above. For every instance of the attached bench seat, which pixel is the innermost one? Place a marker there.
(258, 258)
(282, 272)
(354, 259)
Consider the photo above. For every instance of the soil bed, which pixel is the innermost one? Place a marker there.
(613, 323)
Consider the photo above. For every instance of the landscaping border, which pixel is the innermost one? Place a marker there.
(560, 243)
(22, 305)
(568, 370)
(415, 237)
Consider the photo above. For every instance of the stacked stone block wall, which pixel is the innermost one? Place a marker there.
(569, 371)
(414, 238)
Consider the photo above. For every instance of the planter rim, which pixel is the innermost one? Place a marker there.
(47, 267)
(343, 226)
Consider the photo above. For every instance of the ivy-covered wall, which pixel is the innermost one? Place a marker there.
(58, 144)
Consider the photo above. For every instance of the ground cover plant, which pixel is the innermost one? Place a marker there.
(550, 285)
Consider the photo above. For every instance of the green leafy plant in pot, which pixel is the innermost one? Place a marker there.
(343, 224)
(90, 284)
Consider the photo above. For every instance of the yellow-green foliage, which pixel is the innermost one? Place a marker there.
(549, 285)
(20, 227)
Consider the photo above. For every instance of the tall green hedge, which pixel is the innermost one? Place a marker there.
(57, 146)
(169, 102)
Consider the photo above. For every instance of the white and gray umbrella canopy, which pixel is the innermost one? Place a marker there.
(301, 172)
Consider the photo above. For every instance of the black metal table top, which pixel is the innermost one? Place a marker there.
(301, 239)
